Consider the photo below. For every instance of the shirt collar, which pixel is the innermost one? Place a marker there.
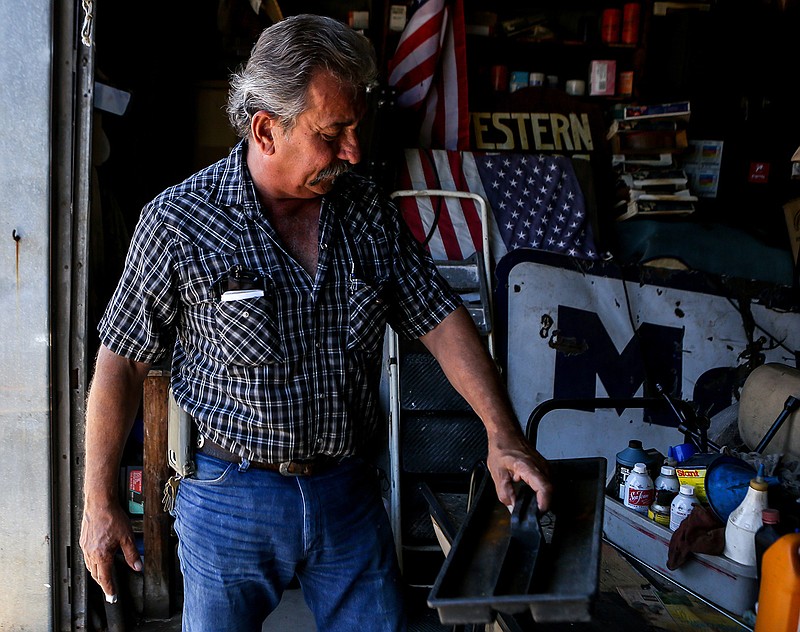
(236, 188)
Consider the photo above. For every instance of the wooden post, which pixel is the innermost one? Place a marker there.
(156, 523)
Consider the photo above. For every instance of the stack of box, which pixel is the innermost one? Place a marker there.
(657, 191)
(647, 142)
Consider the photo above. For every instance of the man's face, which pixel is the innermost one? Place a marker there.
(323, 143)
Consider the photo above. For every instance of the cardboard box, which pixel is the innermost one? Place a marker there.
(649, 142)
(791, 211)
(602, 77)
(135, 495)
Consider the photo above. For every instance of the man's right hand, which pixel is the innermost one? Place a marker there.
(104, 531)
(113, 401)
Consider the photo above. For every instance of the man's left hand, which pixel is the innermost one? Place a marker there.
(512, 459)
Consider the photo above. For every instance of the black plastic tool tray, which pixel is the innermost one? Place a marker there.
(473, 582)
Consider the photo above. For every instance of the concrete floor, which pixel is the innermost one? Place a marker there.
(628, 601)
(292, 615)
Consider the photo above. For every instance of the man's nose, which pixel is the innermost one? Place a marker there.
(350, 148)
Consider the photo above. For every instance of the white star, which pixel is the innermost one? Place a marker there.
(572, 252)
(495, 184)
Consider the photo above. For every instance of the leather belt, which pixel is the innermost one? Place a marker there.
(299, 467)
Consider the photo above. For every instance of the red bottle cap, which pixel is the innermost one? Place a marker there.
(770, 516)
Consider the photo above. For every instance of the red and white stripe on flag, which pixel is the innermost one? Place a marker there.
(535, 201)
(428, 70)
(458, 233)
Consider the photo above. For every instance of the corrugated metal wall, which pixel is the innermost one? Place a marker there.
(25, 145)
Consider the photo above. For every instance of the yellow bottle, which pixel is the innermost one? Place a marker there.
(779, 596)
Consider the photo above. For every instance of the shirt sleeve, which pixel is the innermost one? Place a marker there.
(138, 322)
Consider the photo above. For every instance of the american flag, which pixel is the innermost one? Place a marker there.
(428, 70)
(535, 202)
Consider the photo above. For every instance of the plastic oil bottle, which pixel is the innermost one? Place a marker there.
(779, 595)
(638, 489)
(745, 520)
(768, 533)
(682, 505)
(626, 460)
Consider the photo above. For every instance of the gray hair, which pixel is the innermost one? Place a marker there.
(283, 62)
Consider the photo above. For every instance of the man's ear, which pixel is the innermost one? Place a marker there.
(263, 127)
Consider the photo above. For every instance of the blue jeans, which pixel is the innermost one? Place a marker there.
(245, 533)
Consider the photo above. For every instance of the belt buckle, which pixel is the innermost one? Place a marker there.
(294, 468)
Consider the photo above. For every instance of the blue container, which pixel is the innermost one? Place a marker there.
(727, 481)
(629, 457)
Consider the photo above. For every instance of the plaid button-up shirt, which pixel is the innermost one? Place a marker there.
(292, 370)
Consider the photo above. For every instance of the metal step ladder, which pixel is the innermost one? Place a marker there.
(435, 438)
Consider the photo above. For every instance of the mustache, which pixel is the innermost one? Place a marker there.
(332, 172)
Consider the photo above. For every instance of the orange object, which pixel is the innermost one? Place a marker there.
(779, 595)
(630, 23)
(610, 24)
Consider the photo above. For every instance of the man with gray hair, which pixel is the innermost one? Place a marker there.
(271, 275)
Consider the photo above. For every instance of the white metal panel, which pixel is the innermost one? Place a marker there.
(25, 468)
(706, 329)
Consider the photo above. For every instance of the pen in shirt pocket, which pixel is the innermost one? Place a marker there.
(240, 283)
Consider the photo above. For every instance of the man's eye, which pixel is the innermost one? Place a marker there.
(329, 138)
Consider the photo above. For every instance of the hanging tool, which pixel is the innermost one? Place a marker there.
(693, 426)
(791, 405)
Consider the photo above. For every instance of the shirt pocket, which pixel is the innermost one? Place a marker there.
(367, 311)
(248, 332)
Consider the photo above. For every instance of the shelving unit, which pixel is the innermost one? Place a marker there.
(567, 41)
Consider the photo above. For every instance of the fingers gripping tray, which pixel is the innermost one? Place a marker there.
(507, 563)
